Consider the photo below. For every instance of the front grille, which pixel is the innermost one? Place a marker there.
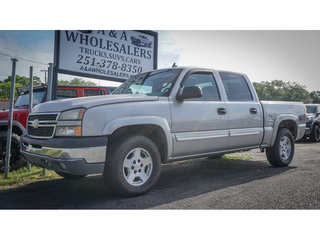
(42, 125)
(41, 131)
(43, 117)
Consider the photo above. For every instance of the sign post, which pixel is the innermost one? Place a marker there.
(10, 118)
(30, 103)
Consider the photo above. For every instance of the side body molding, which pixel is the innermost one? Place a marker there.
(115, 124)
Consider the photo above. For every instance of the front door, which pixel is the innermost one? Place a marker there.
(199, 125)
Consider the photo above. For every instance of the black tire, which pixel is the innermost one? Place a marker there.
(281, 153)
(133, 166)
(70, 176)
(16, 160)
(315, 134)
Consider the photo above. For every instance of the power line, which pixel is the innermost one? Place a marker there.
(28, 60)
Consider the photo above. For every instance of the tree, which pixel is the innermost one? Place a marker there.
(278, 90)
(24, 81)
(5, 90)
(315, 96)
(76, 81)
(5, 85)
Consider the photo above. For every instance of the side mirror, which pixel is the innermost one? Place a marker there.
(189, 92)
(317, 114)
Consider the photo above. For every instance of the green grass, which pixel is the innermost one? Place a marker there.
(22, 177)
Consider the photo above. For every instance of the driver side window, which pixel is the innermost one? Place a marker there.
(208, 85)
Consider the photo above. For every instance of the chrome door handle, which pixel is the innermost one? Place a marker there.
(253, 111)
(222, 111)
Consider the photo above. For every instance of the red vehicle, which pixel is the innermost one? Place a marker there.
(20, 115)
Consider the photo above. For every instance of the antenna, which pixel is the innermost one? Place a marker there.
(174, 65)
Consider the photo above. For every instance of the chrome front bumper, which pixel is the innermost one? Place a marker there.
(80, 156)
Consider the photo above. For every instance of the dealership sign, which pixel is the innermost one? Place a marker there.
(105, 54)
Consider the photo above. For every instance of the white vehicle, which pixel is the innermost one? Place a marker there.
(177, 113)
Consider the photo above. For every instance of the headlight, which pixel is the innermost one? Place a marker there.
(69, 123)
(68, 131)
(72, 114)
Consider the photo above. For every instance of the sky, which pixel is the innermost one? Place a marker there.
(264, 55)
(292, 56)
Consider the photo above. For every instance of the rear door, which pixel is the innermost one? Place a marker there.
(199, 125)
(244, 112)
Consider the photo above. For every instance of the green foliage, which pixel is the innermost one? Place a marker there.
(5, 85)
(23, 80)
(315, 96)
(76, 81)
(277, 90)
(22, 177)
(5, 90)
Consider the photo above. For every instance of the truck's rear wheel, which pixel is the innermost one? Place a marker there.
(133, 165)
(16, 160)
(281, 153)
(315, 134)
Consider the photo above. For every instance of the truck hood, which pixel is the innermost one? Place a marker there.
(89, 102)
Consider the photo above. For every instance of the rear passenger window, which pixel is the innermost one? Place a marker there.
(236, 87)
(92, 92)
(66, 93)
(207, 83)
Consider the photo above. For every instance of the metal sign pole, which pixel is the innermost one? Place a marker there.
(30, 103)
(49, 94)
(10, 118)
(49, 90)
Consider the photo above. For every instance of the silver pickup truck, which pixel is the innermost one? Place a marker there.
(158, 117)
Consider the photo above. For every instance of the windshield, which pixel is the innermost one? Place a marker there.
(311, 109)
(23, 99)
(155, 83)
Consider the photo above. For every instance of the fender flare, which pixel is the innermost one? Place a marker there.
(115, 124)
(14, 123)
(277, 122)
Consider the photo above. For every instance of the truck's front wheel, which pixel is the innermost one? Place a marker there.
(16, 161)
(133, 165)
(281, 153)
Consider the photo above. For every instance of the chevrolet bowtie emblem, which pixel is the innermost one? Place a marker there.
(35, 123)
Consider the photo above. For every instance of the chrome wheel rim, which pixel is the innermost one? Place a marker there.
(285, 148)
(137, 166)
